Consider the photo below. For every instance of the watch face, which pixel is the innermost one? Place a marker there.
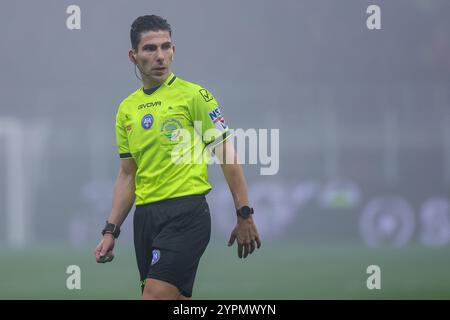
(245, 212)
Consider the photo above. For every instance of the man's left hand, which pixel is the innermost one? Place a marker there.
(247, 237)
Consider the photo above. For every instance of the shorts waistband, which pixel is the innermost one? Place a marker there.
(166, 201)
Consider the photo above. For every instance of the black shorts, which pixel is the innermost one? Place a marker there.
(170, 237)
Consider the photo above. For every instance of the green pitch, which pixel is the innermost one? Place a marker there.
(277, 271)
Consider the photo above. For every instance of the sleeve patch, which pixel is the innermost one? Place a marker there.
(206, 95)
(217, 119)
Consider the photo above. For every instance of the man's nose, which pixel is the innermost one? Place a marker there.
(159, 55)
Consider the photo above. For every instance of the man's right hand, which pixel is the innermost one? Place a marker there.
(103, 252)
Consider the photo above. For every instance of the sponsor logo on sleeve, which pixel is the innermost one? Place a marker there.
(216, 117)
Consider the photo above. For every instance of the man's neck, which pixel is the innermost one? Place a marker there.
(152, 83)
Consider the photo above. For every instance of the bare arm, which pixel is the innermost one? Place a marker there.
(245, 231)
(234, 175)
(123, 199)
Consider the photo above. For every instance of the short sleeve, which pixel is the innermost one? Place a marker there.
(122, 138)
(208, 119)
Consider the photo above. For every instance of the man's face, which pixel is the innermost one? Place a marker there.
(154, 55)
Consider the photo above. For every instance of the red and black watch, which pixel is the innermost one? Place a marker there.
(111, 228)
(244, 212)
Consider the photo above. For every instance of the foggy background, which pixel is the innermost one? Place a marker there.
(364, 116)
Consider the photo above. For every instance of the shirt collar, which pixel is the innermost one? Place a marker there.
(170, 79)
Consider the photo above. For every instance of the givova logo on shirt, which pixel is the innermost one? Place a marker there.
(217, 119)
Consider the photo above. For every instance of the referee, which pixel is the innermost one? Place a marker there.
(172, 223)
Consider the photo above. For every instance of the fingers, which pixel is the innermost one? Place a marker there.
(249, 246)
(104, 250)
(108, 257)
(103, 253)
(97, 252)
(99, 257)
(240, 247)
(258, 241)
(252, 246)
(232, 239)
(247, 241)
(246, 250)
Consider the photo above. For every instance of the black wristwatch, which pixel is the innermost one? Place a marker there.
(111, 228)
(244, 212)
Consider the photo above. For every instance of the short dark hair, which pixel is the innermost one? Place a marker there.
(147, 23)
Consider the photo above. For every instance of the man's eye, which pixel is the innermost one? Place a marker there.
(149, 48)
(166, 46)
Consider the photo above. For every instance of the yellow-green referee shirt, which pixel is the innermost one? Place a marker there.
(165, 132)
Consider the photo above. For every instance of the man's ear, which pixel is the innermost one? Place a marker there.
(132, 56)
